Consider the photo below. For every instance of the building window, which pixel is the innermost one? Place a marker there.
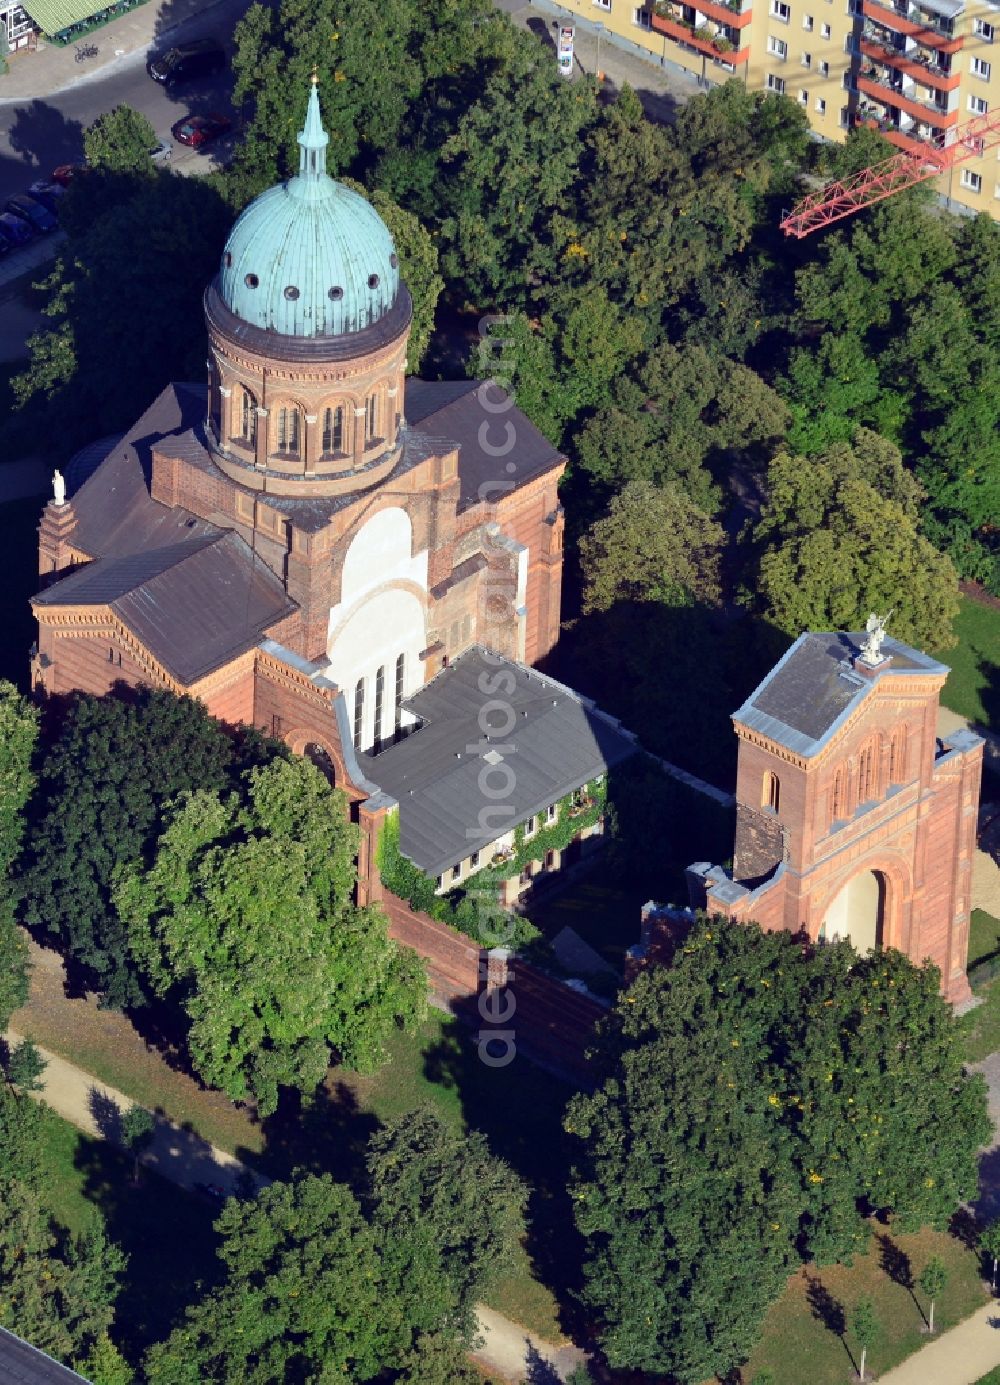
(371, 418)
(825, 30)
(867, 786)
(897, 757)
(838, 801)
(379, 698)
(456, 872)
(603, 5)
(803, 97)
(807, 59)
(978, 106)
(776, 84)
(288, 430)
(971, 180)
(550, 860)
(551, 812)
(770, 792)
(474, 860)
(980, 68)
(359, 712)
(778, 47)
(807, 23)
(982, 30)
(248, 418)
(824, 69)
(333, 430)
(641, 18)
(779, 10)
(529, 826)
(820, 106)
(845, 113)
(398, 701)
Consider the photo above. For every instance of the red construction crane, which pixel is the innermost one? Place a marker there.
(914, 165)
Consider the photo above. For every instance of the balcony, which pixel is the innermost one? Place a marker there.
(908, 20)
(732, 16)
(881, 89)
(914, 64)
(908, 140)
(670, 19)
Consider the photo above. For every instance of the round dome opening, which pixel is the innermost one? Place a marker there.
(228, 259)
(394, 260)
(336, 293)
(373, 281)
(291, 292)
(251, 281)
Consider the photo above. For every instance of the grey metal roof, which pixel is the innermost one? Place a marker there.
(553, 742)
(194, 604)
(454, 409)
(813, 688)
(23, 1364)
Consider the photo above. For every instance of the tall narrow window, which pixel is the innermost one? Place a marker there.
(838, 808)
(248, 418)
(371, 418)
(333, 430)
(359, 712)
(288, 431)
(770, 792)
(866, 774)
(897, 756)
(379, 698)
(214, 401)
(398, 714)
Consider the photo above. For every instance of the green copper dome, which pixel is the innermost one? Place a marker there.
(310, 258)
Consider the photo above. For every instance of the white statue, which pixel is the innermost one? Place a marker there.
(59, 487)
(871, 650)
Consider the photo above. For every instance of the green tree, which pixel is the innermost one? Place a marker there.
(830, 548)
(105, 1365)
(120, 141)
(652, 545)
(438, 1358)
(246, 917)
(18, 738)
(111, 767)
(25, 1066)
(866, 1330)
(449, 1215)
(989, 1243)
(932, 1281)
(303, 1298)
(137, 1127)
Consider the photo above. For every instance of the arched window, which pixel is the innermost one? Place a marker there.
(897, 756)
(770, 792)
(867, 781)
(288, 431)
(379, 698)
(371, 418)
(398, 714)
(247, 418)
(359, 712)
(333, 430)
(214, 400)
(838, 801)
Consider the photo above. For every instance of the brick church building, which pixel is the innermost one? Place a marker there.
(370, 567)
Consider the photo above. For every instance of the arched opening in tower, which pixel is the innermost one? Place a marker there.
(857, 913)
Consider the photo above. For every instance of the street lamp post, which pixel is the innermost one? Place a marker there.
(600, 30)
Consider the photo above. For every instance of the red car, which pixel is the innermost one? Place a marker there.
(196, 130)
(65, 173)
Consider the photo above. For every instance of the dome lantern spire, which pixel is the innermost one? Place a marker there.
(313, 139)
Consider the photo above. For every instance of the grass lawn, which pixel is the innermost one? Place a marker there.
(803, 1336)
(166, 1233)
(981, 1026)
(992, 1379)
(973, 686)
(984, 936)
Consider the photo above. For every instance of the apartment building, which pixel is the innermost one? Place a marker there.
(914, 69)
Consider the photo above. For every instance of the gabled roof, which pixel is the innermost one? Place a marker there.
(195, 604)
(557, 742)
(454, 409)
(23, 1364)
(814, 688)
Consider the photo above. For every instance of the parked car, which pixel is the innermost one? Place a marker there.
(49, 194)
(65, 173)
(18, 232)
(200, 58)
(161, 151)
(197, 130)
(39, 218)
(212, 1192)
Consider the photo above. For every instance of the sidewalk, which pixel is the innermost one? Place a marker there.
(187, 1160)
(959, 1357)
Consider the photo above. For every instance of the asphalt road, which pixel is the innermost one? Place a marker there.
(37, 135)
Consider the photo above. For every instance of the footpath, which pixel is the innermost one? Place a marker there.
(187, 1160)
(959, 1357)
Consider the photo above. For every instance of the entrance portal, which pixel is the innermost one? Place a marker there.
(857, 914)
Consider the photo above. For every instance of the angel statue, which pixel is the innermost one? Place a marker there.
(59, 487)
(871, 650)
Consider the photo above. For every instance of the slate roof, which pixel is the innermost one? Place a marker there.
(813, 689)
(453, 409)
(195, 604)
(560, 741)
(23, 1364)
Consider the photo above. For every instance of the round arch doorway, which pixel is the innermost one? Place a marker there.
(857, 913)
(322, 759)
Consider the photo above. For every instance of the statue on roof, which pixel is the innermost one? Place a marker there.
(871, 650)
(59, 487)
